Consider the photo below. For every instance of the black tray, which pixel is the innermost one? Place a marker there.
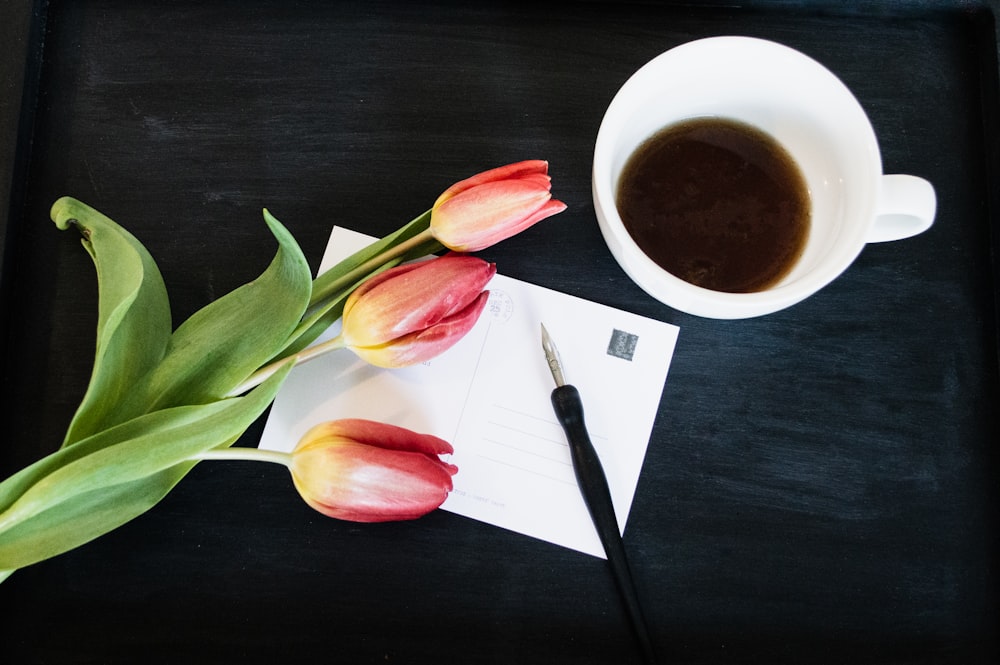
(821, 483)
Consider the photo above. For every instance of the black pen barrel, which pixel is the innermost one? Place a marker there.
(597, 495)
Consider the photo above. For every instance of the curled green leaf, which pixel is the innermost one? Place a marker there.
(156, 399)
(133, 324)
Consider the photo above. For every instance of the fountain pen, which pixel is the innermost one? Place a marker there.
(594, 487)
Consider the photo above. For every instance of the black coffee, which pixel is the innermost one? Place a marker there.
(717, 203)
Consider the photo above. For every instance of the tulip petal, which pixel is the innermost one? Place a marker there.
(424, 344)
(375, 433)
(366, 471)
(481, 217)
(365, 484)
(374, 281)
(413, 297)
(525, 169)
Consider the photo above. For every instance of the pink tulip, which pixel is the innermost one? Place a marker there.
(413, 312)
(494, 205)
(366, 471)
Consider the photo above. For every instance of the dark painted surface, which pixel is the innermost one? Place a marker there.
(821, 483)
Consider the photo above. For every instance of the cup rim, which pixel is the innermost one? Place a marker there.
(670, 289)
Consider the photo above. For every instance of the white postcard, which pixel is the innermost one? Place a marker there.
(489, 396)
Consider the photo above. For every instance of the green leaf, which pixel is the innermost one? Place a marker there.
(226, 341)
(83, 491)
(133, 323)
(155, 399)
(69, 524)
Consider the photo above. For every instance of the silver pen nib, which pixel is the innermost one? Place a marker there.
(552, 357)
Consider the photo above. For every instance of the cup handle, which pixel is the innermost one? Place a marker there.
(906, 207)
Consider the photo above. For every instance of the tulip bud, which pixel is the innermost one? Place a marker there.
(366, 471)
(415, 311)
(494, 205)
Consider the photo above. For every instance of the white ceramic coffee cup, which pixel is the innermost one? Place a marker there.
(811, 113)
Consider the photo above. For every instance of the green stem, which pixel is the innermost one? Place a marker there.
(247, 454)
(302, 356)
